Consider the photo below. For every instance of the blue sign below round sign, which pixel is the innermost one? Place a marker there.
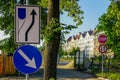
(27, 59)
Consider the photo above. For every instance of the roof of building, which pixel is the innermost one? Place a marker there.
(78, 36)
(69, 39)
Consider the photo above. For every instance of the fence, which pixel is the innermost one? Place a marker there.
(1, 65)
(109, 65)
(81, 62)
(6, 65)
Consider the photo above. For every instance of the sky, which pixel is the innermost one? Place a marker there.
(2, 36)
(93, 9)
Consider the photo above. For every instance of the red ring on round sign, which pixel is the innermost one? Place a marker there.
(102, 48)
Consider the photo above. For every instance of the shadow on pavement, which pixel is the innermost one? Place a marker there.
(62, 74)
(67, 73)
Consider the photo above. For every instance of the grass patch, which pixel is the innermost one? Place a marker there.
(111, 76)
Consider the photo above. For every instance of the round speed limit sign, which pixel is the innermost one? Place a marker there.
(102, 48)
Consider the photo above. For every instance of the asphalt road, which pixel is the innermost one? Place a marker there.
(62, 74)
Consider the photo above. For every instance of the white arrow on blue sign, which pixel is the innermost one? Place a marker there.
(27, 59)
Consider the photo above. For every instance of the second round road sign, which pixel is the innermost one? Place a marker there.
(102, 48)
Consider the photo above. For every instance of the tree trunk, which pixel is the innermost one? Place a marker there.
(51, 47)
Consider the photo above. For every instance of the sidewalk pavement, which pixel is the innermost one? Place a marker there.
(23, 78)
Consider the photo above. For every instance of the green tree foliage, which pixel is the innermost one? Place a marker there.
(7, 22)
(50, 32)
(70, 6)
(110, 23)
(73, 10)
(7, 25)
(72, 52)
(7, 17)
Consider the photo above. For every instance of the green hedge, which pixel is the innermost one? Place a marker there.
(111, 76)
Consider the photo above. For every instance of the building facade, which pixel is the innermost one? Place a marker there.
(84, 41)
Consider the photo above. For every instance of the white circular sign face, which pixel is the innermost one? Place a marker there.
(102, 48)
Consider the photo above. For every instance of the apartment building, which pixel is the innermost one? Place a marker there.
(72, 42)
(85, 41)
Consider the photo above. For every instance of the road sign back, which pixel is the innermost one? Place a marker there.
(27, 24)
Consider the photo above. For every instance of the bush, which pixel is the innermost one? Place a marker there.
(114, 76)
(111, 76)
(51, 79)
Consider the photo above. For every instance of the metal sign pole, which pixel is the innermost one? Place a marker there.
(102, 64)
(27, 2)
(27, 75)
(32, 63)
